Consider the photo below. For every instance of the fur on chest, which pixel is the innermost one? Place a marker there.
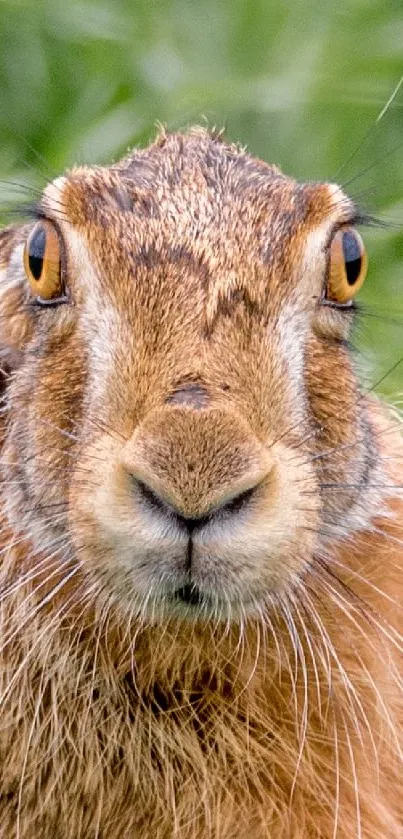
(258, 741)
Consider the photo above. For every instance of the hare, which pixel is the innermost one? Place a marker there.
(202, 515)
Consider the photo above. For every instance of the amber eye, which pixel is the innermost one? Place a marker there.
(347, 267)
(42, 262)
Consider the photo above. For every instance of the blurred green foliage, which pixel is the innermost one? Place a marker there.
(301, 84)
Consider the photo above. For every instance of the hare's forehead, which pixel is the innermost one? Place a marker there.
(227, 224)
(97, 195)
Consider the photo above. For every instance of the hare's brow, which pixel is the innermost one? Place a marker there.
(40, 211)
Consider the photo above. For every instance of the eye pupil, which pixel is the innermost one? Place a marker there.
(36, 265)
(37, 247)
(352, 257)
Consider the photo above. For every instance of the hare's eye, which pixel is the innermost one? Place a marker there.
(347, 266)
(42, 262)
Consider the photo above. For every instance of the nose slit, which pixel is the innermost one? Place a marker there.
(151, 500)
(192, 523)
(191, 395)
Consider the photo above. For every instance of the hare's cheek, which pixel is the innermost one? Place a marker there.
(122, 551)
(16, 325)
(268, 550)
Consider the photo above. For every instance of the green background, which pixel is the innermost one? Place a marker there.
(301, 84)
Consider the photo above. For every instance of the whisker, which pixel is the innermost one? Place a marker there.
(369, 131)
(39, 638)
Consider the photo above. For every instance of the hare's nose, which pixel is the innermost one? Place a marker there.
(195, 464)
(154, 503)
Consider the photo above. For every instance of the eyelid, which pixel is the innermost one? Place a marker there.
(39, 213)
(358, 218)
(361, 219)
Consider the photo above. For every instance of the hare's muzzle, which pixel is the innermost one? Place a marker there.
(194, 509)
(159, 505)
(195, 466)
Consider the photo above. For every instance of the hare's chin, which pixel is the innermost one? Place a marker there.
(194, 602)
(210, 579)
(190, 602)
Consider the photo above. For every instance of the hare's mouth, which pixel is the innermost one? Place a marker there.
(192, 601)
(190, 594)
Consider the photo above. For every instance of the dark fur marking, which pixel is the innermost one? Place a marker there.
(123, 200)
(151, 257)
(192, 394)
(228, 303)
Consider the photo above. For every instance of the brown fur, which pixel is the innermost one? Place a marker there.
(196, 357)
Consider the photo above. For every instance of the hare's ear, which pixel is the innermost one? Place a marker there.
(15, 321)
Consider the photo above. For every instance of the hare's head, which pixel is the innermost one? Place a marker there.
(180, 393)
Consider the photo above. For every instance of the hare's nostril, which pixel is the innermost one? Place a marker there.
(149, 497)
(150, 500)
(236, 503)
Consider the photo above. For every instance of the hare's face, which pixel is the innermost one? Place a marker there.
(174, 416)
